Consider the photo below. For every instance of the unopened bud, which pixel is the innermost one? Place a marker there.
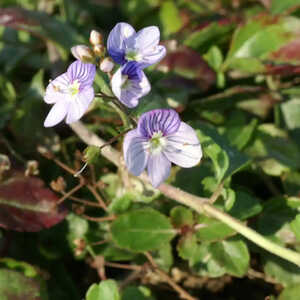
(95, 38)
(106, 65)
(98, 50)
(32, 168)
(58, 185)
(83, 53)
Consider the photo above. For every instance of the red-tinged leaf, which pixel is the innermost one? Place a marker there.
(283, 70)
(189, 64)
(15, 17)
(288, 53)
(26, 205)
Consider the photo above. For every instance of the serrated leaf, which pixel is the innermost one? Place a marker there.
(107, 289)
(142, 230)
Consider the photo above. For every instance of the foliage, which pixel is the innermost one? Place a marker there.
(231, 72)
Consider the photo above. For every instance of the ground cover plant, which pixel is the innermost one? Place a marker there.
(149, 149)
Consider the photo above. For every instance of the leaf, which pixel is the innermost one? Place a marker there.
(291, 113)
(169, 17)
(26, 205)
(211, 230)
(279, 6)
(137, 293)
(233, 255)
(107, 289)
(226, 160)
(16, 286)
(181, 216)
(142, 230)
(295, 226)
(290, 292)
(245, 206)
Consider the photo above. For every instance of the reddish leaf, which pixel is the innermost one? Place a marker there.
(189, 64)
(15, 17)
(26, 205)
(289, 52)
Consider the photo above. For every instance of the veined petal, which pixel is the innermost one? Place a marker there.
(158, 168)
(116, 41)
(135, 152)
(166, 121)
(144, 40)
(83, 72)
(55, 90)
(153, 57)
(130, 93)
(57, 113)
(79, 105)
(183, 147)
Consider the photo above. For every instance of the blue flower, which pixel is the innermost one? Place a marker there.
(129, 84)
(159, 140)
(124, 45)
(71, 93)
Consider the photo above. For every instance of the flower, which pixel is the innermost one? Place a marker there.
(124, 45)
(159, 139)
(71, 93)
(130, 83)
(83, 53)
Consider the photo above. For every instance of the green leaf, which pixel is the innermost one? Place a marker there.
(290, 293)
(211, 229)
(291, 183)
(181, 216)
(107, 289)
(233, 255)
(137, 293)
(187, 247)
(295, 226)
(27, 269)
(169, 17)
(291, 113)
(245, 206)
(15, 285)
(226, 159)
(279, 6)
(205, 38)
(214, 57)
(142, 230)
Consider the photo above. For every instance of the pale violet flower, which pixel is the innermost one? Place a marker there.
(159, 140)
(129, 84)
(124, 45)
(71, 93)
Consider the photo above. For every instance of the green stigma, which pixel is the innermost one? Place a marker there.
(157, 142)
(132, 55)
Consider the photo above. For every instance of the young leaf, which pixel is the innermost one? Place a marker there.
(107, 289)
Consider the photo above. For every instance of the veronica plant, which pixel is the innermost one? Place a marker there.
(159, 139)
(124, 45)
(129, 84)
(71, 93)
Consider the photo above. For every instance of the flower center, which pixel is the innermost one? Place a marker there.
(74, 88)
(125, 82)
(132, 55)
(157, 142)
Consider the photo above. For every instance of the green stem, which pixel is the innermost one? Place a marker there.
(122, 114)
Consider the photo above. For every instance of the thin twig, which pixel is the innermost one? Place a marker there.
(182, 293)
(216, 193)
(85, 202)
(97, 196)
(71, 192)
(123, 266)
(99, 219)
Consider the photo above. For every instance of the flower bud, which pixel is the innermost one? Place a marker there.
(83, 53)
(98, 50)
(106, 65)
(95, 38)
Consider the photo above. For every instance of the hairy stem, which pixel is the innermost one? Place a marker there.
(201, 205)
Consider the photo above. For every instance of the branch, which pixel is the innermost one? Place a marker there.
(201, 205)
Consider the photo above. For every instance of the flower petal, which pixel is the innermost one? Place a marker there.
(55, 89)
(159, 168)
(129, 95)
(135, 152)
(83, 72)
(153, 57)
(144, 40)
(183, 147)
(57, 113)
(166, 121)
(79, 105)
(116, 41)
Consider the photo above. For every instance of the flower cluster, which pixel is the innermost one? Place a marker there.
(160, 137)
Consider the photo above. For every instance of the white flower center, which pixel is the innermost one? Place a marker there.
(74, 88)
(125, 82)
(157, 143)
(132, 55)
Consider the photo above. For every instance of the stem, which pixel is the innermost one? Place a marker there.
(201, 205)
